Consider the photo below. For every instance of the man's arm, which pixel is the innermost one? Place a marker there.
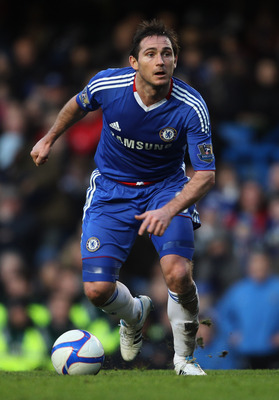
(69, 114)
(157, 221)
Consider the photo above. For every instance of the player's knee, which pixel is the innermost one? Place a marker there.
(178, 274)
(99, 292)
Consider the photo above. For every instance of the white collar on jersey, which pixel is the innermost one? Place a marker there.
(153, 106)
(148, 108)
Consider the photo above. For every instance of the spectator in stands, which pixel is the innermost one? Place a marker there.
(22, 345)
(273, 179)
(248, 221)
(271, 236)
(15, 279)
(249, 312)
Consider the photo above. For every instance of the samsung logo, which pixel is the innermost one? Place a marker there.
(138, 145)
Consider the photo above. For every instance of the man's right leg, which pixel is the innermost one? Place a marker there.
(115, 298)
(108, 233)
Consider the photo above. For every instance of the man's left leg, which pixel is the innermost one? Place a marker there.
(183, 309)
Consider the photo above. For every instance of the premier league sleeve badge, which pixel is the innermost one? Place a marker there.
(206, 152)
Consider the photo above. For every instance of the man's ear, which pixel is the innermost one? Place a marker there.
(133, 62)
(175, 61)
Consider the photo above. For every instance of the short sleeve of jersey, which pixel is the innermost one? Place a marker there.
(89, 99)
(199, 138)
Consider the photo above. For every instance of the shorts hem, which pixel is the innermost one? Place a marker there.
(186, 253)
(100, 269)
(91, 277)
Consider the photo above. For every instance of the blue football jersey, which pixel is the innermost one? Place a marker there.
(140, 143)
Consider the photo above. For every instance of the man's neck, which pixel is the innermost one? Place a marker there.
(151, 94)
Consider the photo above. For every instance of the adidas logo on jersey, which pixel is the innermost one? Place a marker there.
(115, 125)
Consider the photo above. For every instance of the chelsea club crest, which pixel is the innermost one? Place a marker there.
(93, 244)
(168, 134)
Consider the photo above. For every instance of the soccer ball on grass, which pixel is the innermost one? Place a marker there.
(77, 352)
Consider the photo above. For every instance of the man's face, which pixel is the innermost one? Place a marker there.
(156, 61)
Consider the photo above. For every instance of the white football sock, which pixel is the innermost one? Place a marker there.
(183, 312)
(123, 305)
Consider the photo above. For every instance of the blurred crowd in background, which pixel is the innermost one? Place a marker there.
(230, 53)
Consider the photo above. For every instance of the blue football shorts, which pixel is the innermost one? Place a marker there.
(109, 226)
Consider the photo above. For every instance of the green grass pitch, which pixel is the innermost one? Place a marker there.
(141, 385)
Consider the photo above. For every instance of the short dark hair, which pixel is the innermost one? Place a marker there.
(153, 28)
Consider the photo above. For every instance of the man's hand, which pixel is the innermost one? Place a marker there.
(154, 221)
(40, 152)
(157, 221)
(68, 115)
